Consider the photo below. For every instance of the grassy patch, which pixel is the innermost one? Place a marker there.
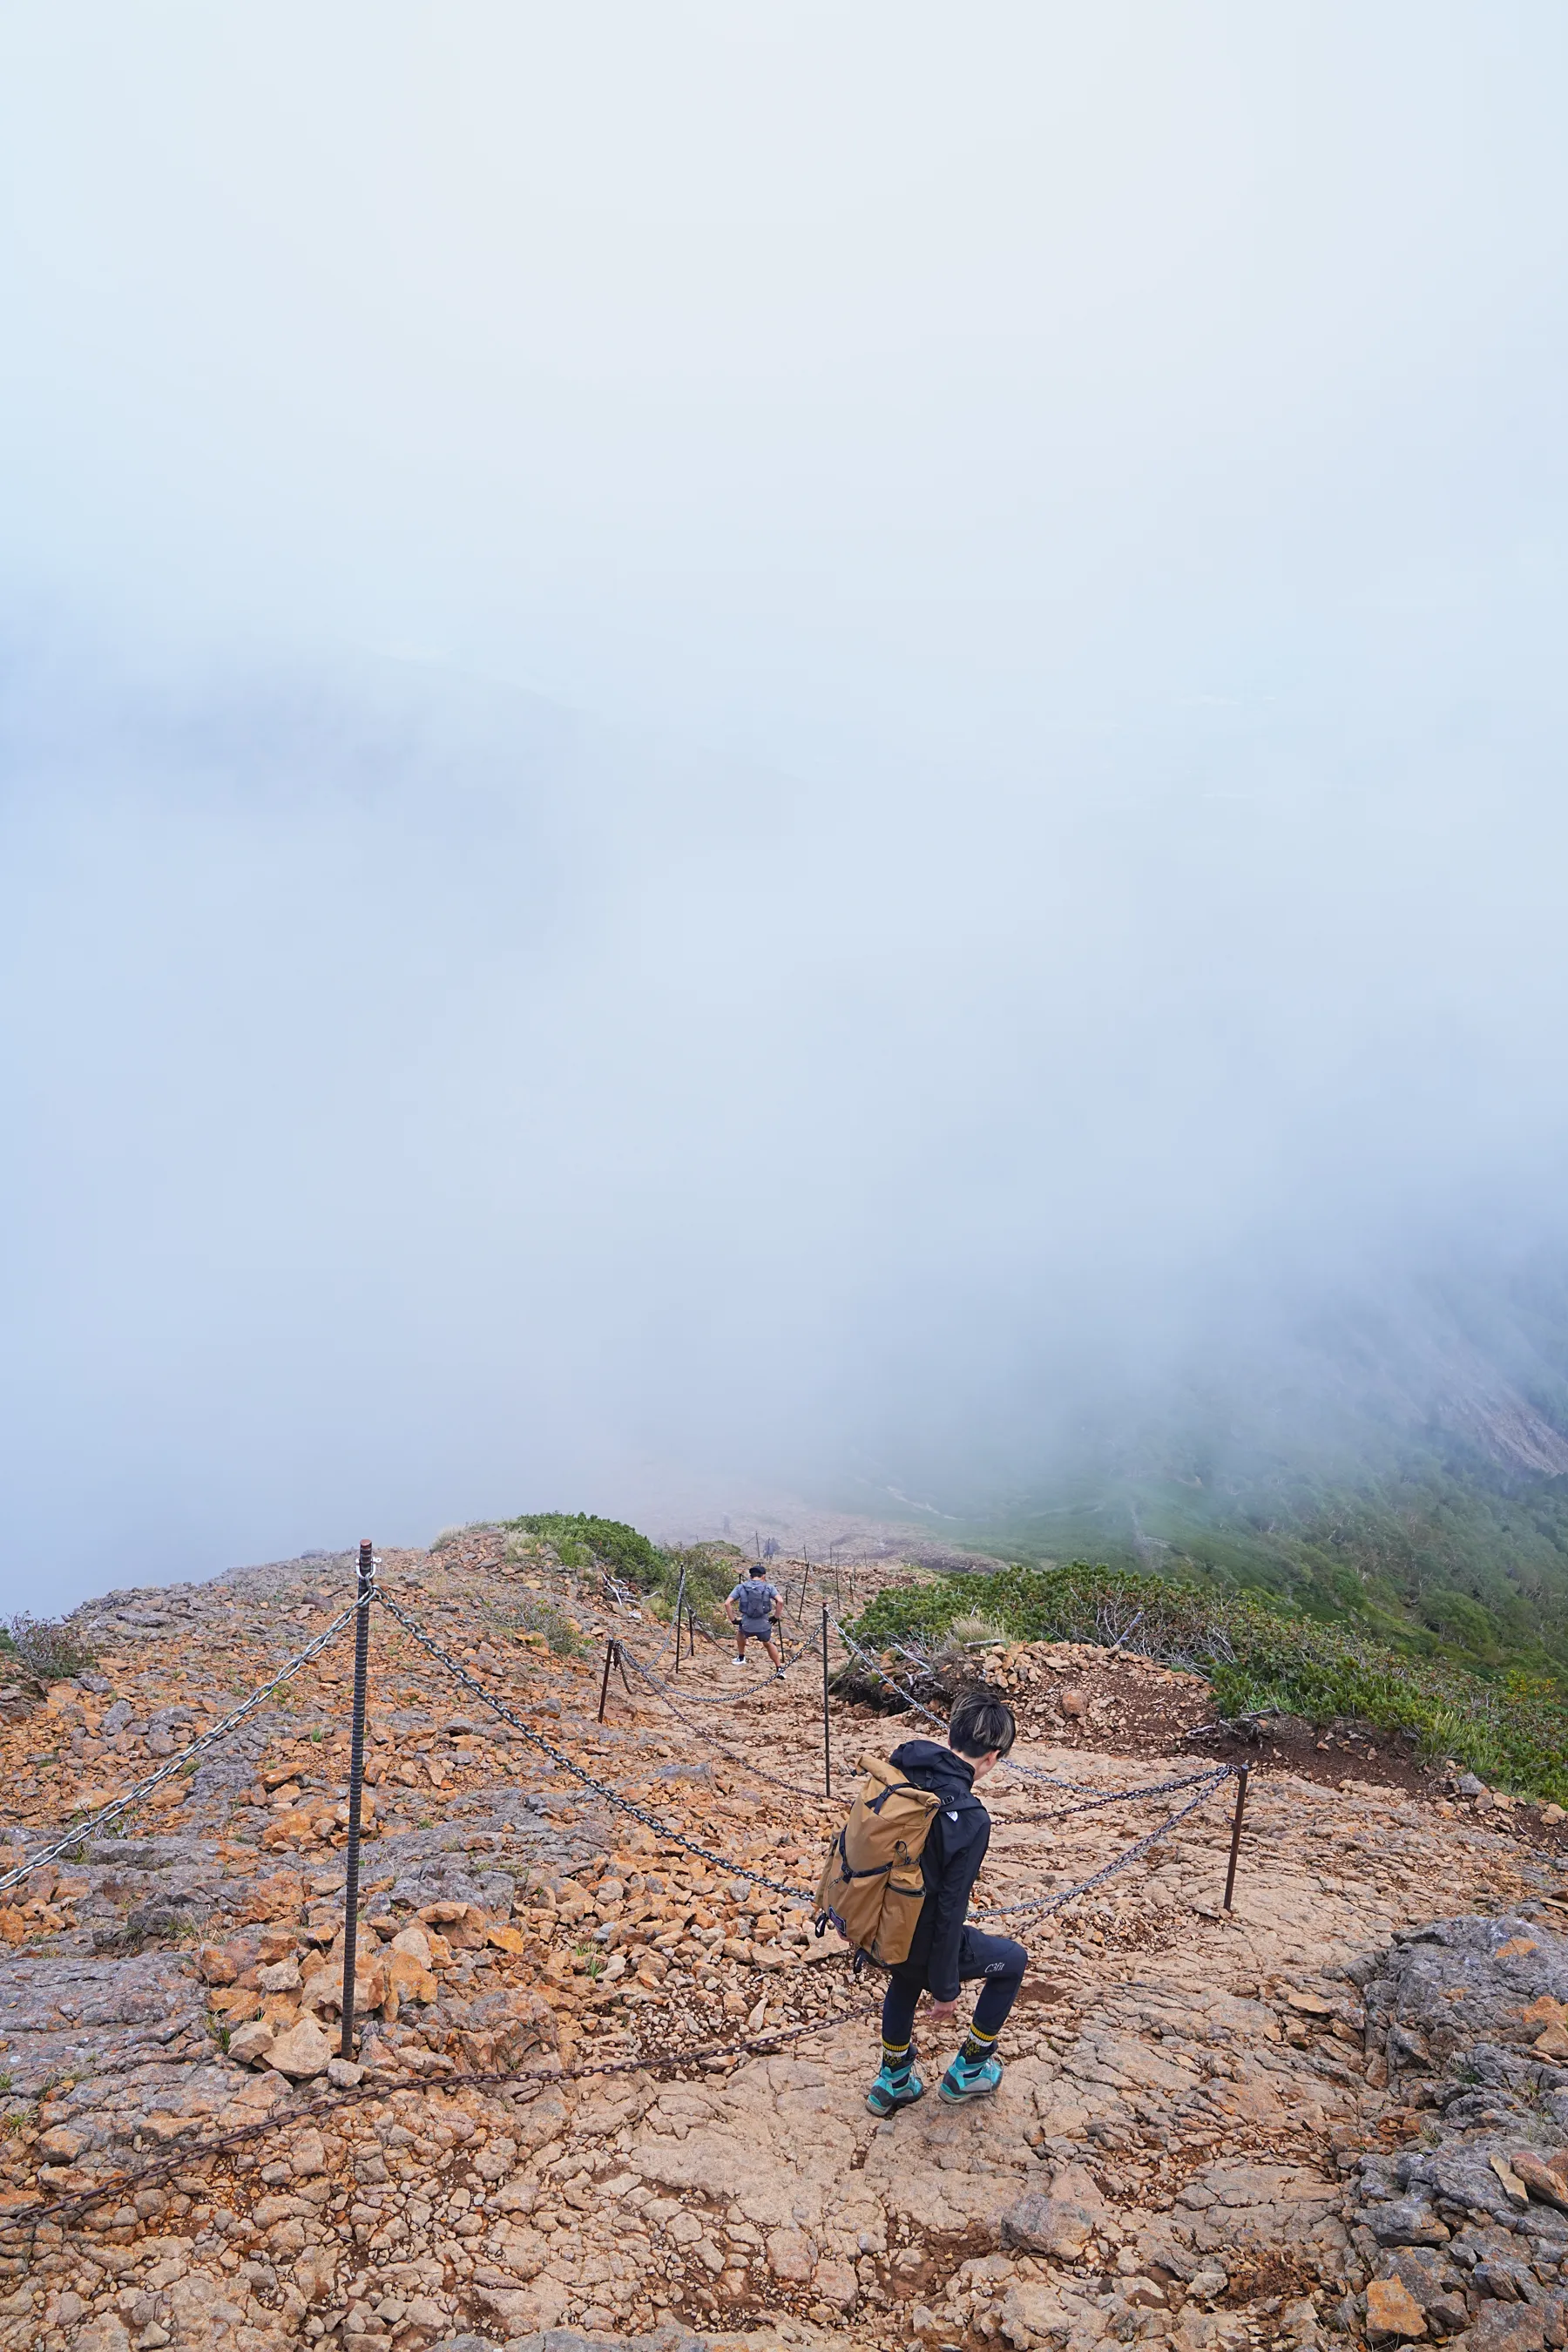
(44, 1647)
(580, 1541)
(560, 1635)
(1513, 1731)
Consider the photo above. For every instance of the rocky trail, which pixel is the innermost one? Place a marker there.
(1339, 2111)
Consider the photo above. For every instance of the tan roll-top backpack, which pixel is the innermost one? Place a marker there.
(871, 1888)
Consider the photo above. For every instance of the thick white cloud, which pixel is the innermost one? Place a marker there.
(731, 728)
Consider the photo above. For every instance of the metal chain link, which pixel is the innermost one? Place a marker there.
(198, 2151)
(717, 1698)
(600, 1787)
(1114, 1797)
(759, 1772)
(209, 1738)
(1050, 1903)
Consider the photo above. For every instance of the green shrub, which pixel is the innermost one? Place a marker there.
(579, 1540)
(1258, 1656)
(45, 1647)
(543, 1617)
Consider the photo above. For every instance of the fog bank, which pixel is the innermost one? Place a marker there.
(766, 749)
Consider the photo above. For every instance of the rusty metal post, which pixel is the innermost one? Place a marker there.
(805, 1581)
(356, 1785)
(679, 1607)
(826, 1737)
(1241, 1772)
(604, 1684)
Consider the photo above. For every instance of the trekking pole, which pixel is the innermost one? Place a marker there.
(356, 1785)
(1241, 1772)
(827, 1739)
(604, 1684)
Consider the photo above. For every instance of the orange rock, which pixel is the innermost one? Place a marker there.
(1392, 2310)
(1545, 2180)
(13, 1925)
(407, 1977)
(290, 1828)
(235, 2004)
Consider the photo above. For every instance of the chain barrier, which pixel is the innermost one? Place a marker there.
(1047, 1904)
(579, 1772)
(714, 1698)
(700, 1698)
(56, 2211)
(758, 1772)
(1114, 1797)
(760, 2045)
(134, 1795)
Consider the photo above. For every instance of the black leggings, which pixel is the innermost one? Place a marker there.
(997, 1959)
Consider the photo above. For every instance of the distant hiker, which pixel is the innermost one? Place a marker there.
(754, 1608)
(943, 1951)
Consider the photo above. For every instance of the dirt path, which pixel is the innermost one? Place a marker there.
(1184, 2088)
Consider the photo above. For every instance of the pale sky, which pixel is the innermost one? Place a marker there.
(730, 731)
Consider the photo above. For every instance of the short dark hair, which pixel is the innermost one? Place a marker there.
(759, 1570)
(981, 1721)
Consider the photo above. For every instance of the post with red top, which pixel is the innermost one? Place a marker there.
(826, 1746)
(1241, 1772)
(356, 1787)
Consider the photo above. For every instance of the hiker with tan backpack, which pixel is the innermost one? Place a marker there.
(896, 1886)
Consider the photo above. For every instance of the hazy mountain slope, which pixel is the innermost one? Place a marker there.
(1405, 1464)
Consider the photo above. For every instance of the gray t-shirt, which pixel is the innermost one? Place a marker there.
(756, 1598)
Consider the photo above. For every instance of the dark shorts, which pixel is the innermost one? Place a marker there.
(997, 1960)
(753, 1633)
(978, 1955)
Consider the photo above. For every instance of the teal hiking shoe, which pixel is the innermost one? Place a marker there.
(969, 2078)
(894, 2089)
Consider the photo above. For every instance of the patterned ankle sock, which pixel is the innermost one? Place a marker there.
(977, 2047)
(896, 2057)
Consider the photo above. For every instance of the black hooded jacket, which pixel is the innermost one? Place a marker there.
(955, 1849)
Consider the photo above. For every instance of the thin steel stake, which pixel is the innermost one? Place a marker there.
(827, 1739)
(680, 1605)
(805, 1581)
(604, 1684)
(356, 1785)
(1241, 1773)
